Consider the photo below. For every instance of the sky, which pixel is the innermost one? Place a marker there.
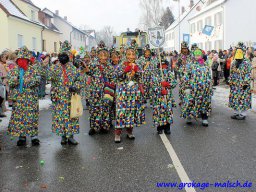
(95, 14)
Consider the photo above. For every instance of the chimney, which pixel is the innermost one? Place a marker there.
(65, 18)
(57, 12)
(191, 4)
(183, 10)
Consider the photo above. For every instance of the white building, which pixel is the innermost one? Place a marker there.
(233, 21)
(180, 28)
(90, 39)
(69, 32)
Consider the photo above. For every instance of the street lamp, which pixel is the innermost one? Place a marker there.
(179, 20)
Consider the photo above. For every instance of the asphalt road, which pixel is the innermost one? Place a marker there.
(223, 151)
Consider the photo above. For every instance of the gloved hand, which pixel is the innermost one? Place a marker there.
(164, 92)
(128, 69)
(165, 84)
(72, 89)
(245, 87)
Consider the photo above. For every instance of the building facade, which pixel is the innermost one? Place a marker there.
(69, 32)
(180, 28)
(229, 21)
(17, 29)
(51, 36)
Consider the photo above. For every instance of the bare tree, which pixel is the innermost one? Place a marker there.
(152, 12)
(106, 34)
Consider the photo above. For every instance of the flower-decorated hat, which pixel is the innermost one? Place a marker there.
(65, 47)
(24, 53)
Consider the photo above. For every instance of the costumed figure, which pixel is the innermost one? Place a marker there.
(101, 92)
(129, 90)
(196, 101)
(122, 53)
(24, 81)
(163, 101)
(65, 80)
(115, 61)
(240, 98)
(86, 79)
(93, 55)
(148, 65)
(184, 59)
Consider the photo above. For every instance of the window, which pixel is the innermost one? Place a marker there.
(208, 20)
(33, 17)
(44, 45)
(33, 43)
(193, 28)
(218, 19)
(55, 46)
(208, 46)
(199, 25)
(170, 36)
(173, 35)
(20, 41)
(218, 44)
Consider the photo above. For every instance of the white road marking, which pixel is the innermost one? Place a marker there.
(177, 164)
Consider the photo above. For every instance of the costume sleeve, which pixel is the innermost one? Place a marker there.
(91, 71)
(12, 74)
(247, 74)
(79, 80)
(49, 72)
(188, 78)
(109, 71)
(231, 80)
(120, 73)
(34, 78)
(171, 79)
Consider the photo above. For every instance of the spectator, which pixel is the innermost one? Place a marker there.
(215, 69)
(2, 95)
(174, 60)
(226, 66)
(249, 54)
(11, 63)
(3, 76)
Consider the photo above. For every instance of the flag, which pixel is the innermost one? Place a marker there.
(208, 30)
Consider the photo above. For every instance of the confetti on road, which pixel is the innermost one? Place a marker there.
(42, 162)
(61, 179)
(170, 166)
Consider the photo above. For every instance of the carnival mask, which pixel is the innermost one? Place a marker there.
(184, 51)
(115, 59)
(93, 54)
(131, 55)
(239, 54)
(147, 53)
(103, 57)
